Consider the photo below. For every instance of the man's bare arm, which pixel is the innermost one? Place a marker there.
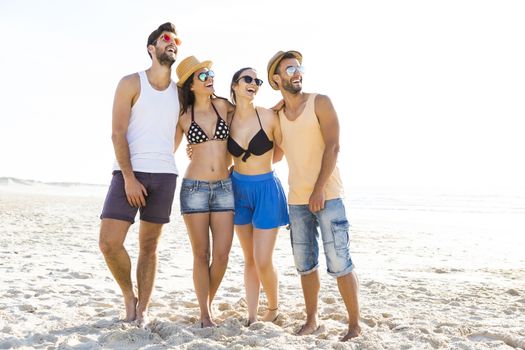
(277, 154)
(127, 89)
(277, 139)
(330, 130)
(179, 134)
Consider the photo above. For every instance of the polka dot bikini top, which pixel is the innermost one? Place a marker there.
(196, 135)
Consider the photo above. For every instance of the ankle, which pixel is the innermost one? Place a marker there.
(312, 318)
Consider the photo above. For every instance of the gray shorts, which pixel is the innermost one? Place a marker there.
(160, 188)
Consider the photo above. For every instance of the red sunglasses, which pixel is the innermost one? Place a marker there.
(168, 39)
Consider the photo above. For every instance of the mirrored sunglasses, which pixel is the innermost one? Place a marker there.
(204, 75)
(169, 39)
(291, 70)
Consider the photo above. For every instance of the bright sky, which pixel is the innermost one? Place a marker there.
(428, 93)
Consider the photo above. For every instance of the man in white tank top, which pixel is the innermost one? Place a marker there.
(145, 115)
(310, 142)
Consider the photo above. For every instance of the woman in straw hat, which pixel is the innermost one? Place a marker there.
(206, 195)
(260, 202)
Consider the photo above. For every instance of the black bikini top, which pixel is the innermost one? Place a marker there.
(196, 135)
(258, 145)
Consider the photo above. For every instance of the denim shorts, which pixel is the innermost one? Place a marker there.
(334, 227)
(160, 188)
(198, 196)
(259, 200)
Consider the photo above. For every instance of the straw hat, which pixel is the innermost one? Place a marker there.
(274, 62)
(188, 66)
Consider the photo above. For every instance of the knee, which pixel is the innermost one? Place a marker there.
(202, 257)
(249, 262)
(149, 248)
(221, 258)
(264, 264)
(108, 246)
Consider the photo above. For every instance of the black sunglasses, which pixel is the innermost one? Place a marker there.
(248, 80)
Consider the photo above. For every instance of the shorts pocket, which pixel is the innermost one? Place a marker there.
(227, 186)
(187, 187)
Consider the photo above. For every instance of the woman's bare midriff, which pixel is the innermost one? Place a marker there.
(209, 161)
(254, 165)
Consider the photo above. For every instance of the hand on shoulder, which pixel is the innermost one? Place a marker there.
(266, 113)
(278, 106)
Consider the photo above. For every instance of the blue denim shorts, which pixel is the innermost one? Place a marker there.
(198, 196)
(334, 227)
(259, 200)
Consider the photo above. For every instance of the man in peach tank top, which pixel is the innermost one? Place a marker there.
(310, 131)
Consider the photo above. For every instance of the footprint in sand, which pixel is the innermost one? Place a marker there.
(510, 340)
(190, 304)
(81, 275)
(230, 314)
(369, 321)
(298, 315)
(100, 304)
(156, 304)
(329, 300)
(27, 308)
(224, 306)
(333, 314)
(133, 338)
(441, 270)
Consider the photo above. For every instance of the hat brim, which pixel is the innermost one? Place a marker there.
(275, 60)
(185, 76)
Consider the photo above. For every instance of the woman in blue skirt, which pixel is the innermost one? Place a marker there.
(260, 202)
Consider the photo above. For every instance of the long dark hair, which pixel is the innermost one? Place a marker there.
(235, 78)
(187, 97)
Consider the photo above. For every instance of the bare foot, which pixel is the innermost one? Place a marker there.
(210, 310)
(353, 331)
(271, 315)
(131, 309)
(308, 328)
(207, 322)
(142, 317)
(250, 321)
(142, 322)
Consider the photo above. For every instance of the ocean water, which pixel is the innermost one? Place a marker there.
(477, 235)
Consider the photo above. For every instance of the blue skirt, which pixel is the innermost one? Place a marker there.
(259, 200)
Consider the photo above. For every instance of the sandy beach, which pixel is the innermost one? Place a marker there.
(436, 271)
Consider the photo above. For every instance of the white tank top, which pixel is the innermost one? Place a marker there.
(151, 130)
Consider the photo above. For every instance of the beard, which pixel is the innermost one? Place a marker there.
(288, 86)
(166, 59)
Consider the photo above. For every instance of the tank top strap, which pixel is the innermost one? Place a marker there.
(144, 83)
(311, 102)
